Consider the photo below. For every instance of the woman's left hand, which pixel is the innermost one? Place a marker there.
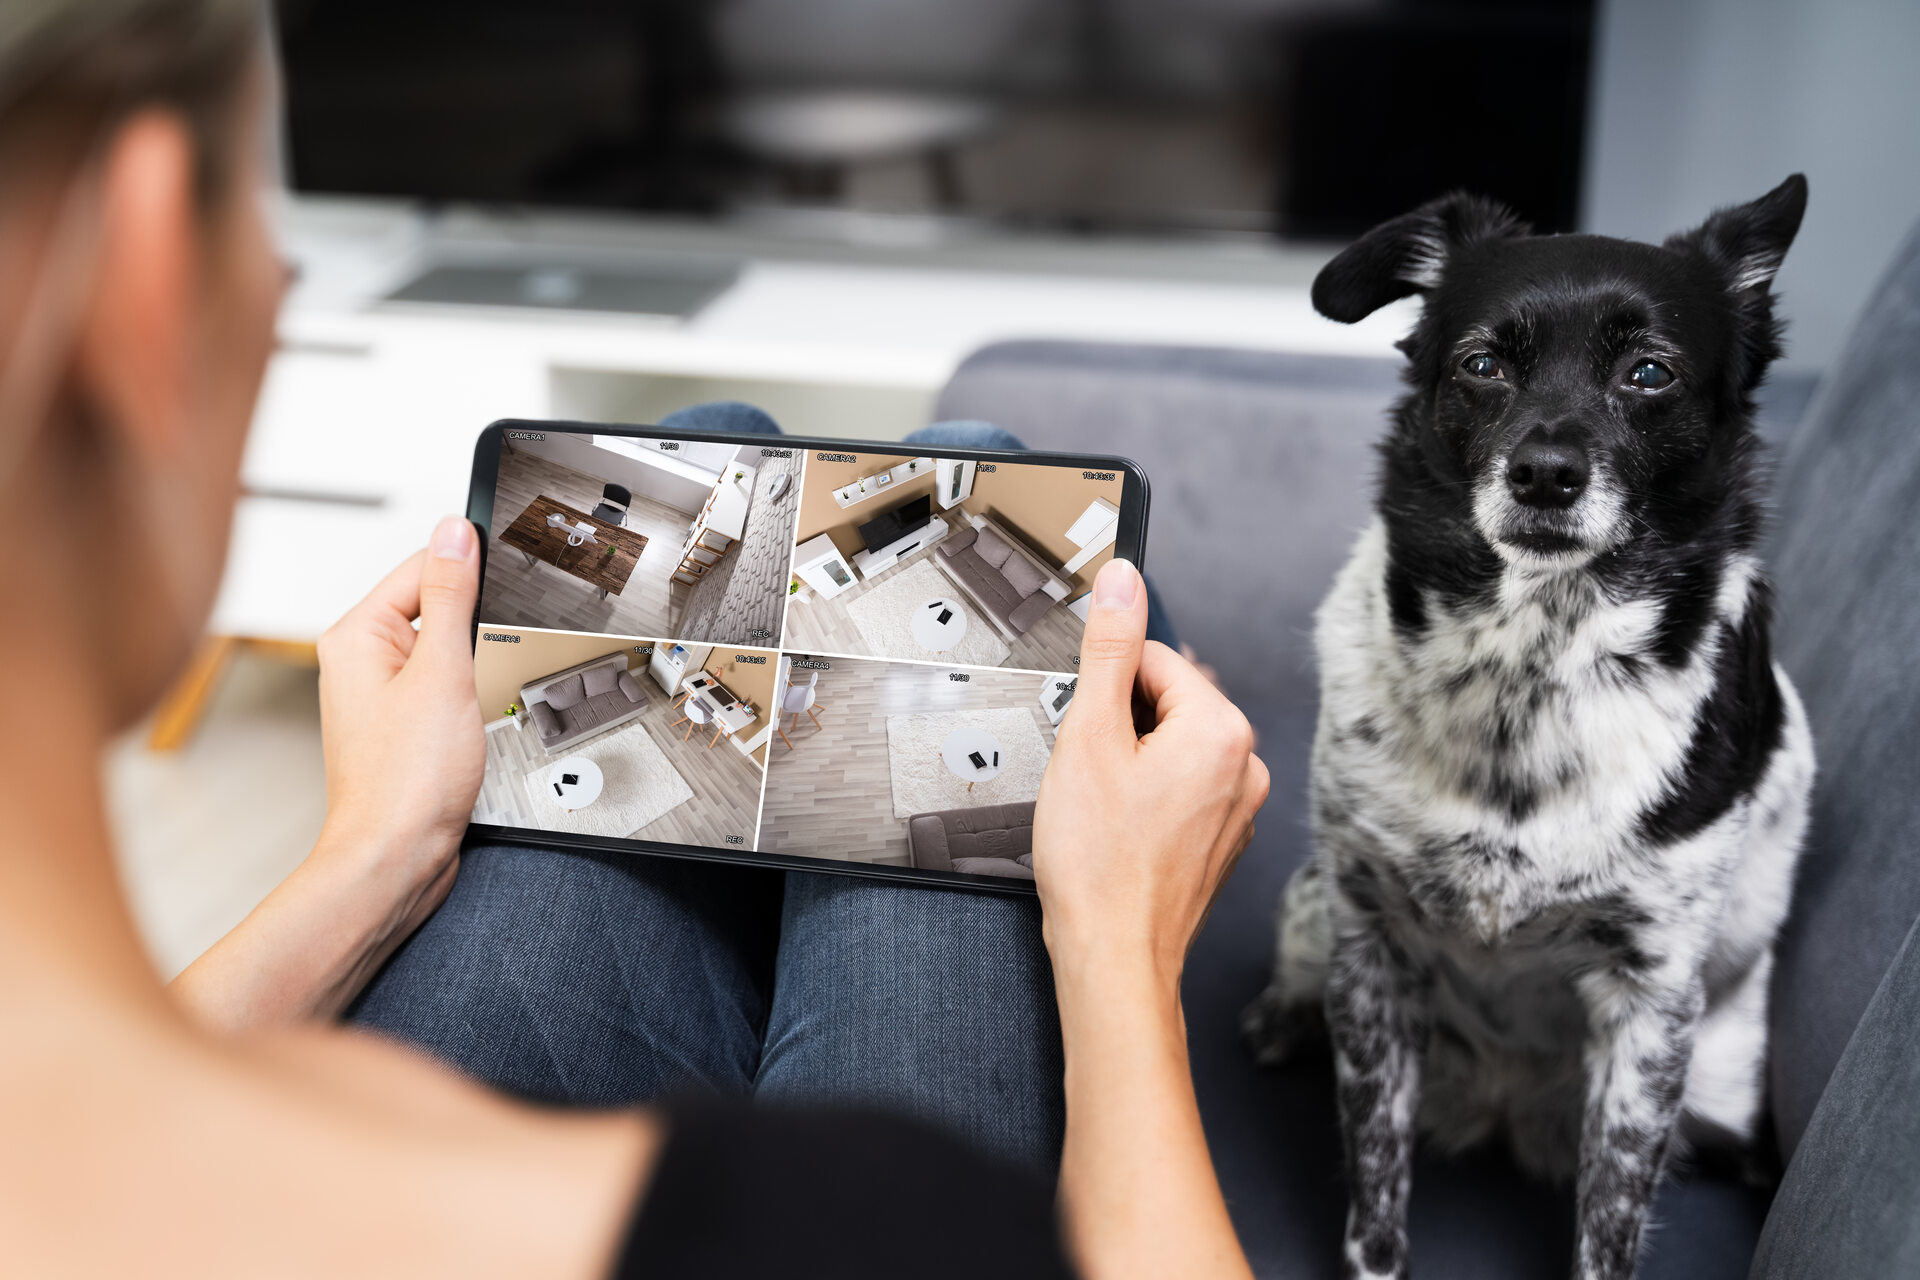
(400, 722)
(405, 751)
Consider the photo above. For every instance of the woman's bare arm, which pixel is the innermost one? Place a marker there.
(1133, 837)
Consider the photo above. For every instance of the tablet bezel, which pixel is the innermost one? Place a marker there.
(1129, 543)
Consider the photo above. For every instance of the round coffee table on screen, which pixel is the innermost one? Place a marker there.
(934, 635)
(958, 752)
(582, 791)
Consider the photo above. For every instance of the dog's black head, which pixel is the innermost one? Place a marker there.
(1575, 397)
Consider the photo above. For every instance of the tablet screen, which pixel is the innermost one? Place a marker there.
(763, 646)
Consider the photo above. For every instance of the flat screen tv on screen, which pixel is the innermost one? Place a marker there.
(897, 523)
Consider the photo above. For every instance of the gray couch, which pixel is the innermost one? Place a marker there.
(1284, 459)
(583, 700)
(1013, 585)
(992, 840)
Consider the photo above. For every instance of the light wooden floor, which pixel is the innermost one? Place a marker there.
(825, 626)
(726, 784)
(540, 595)
(831, 796)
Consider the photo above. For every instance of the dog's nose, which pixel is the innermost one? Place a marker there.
(1547, 473)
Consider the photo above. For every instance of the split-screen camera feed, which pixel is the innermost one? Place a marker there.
(850, 656)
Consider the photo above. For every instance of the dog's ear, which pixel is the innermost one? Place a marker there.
(1407, 255)
(1748, 242)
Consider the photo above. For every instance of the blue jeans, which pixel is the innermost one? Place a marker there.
(604, 979)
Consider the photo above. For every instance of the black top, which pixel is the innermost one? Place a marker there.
(752, 1192)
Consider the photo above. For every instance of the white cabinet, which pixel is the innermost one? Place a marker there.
(1093, 532)
(1056, 695)
(955, 483)
(822, 567)
(670, 663)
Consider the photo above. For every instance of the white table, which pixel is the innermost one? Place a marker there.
(961, 742)
(711, 694)
(577, 794)
(934, 635)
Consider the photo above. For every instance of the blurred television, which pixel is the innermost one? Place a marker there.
(1302, 118)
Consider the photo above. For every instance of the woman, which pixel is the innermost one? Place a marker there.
(227, 1126)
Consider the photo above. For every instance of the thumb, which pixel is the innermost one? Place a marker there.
(1110, 650)
(449, 584)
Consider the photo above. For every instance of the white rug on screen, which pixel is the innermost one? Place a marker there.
(922, 783)
(639, 787)
(885, 616)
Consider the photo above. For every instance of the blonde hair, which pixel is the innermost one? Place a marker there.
(72, 69)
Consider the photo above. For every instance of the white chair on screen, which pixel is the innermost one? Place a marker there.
(697, 714)
(798, 698)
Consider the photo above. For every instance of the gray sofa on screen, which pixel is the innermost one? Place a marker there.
(1013, 585)
(1281, 448)
(583, 700)
(992, 840)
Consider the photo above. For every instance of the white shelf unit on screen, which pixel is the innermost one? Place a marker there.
(864, 488)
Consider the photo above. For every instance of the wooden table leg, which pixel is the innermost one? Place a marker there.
(185, 704)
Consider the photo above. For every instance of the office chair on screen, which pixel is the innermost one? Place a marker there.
(614, 501)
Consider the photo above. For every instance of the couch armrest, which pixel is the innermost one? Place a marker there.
(631, 687)
(546, 720)
(1030, 611)
(927, 842)
(954, 545)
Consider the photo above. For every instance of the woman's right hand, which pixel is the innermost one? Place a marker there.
(1133, 837)
(1135, 833)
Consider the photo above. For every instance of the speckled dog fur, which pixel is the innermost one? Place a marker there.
(1558, 787)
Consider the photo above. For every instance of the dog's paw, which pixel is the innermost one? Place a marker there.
(1277, 1032)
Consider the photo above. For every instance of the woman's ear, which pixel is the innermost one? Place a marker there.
(1407, 254)
(135, 338)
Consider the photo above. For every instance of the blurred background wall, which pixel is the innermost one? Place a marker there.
(1701, 103)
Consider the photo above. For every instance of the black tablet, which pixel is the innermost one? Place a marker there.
(833, 655)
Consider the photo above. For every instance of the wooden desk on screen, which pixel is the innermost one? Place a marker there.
(531, 535)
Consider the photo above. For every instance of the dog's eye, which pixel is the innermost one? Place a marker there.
(1481, 364)
(1649, 375)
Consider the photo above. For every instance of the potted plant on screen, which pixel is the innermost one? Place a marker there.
(513, 714)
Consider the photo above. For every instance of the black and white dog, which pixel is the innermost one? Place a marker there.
(1558, 786)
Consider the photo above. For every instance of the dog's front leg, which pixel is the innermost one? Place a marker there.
(1639, 1042)
(1377, 1020)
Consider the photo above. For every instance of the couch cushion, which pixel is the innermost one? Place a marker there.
(1006, 842)
(601, 679)
(985, 584)
(603, 707)
(1022, 575)
(545, 719)
(991, 549)
(1846, 562)
(993, 867)
(1850, 1203)
(562, 694)
(1030, 611)
(956, 543)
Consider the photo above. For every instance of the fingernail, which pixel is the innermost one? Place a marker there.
(452, 539)
(1116, 586)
